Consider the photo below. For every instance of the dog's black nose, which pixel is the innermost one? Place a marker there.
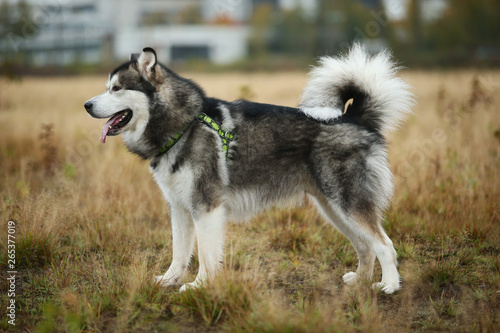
(88, 106)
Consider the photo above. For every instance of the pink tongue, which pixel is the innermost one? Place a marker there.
(105, 128)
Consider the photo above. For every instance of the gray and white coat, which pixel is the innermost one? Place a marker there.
(279, 154)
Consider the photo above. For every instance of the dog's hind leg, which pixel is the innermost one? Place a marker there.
(210, 233)
(183, 236)
(387, 257)
(366, 255)
(369, 241)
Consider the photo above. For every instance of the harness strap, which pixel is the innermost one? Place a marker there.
(174, 140)
(226, 136)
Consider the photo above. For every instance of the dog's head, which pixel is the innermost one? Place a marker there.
(146, 102)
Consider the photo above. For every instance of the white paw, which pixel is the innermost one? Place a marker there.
(388, 288)
(192, 285)
(166, 281)
(350, 278)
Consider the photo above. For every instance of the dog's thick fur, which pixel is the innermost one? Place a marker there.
(278, 155)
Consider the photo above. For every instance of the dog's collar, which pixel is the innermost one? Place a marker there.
(226, 136)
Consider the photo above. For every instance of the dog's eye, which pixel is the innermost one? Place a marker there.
(116, 88)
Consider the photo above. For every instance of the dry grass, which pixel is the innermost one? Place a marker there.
(92, 227)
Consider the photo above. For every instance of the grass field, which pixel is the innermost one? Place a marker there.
(92, 227)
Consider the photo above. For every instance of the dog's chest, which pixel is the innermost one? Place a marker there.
(175, 185)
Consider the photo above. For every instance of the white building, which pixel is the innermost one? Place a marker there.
(219, 44)
(92, 31)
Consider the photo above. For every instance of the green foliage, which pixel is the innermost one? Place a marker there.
(57, 318)
(301, 35)
(261, 22)
(16, 24)
(14, 18)
(217, 303)
(406, 249)
(34, 250)
(441, 275)
(290, 237)
(69, 171)
(465, 34)
(49, 323)
(468, 25)
(446, 307)
(294, 34)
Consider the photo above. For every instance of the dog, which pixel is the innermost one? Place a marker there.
(217, 161)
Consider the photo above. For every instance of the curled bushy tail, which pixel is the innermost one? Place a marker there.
(380, 99)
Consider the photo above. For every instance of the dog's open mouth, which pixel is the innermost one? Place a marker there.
(115, 123)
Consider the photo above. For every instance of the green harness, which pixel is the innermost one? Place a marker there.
(226, 136)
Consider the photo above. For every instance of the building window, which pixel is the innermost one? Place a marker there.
(79, 9)
(183, 52)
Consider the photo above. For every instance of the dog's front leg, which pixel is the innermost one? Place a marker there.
(209, 228)
(183, 236)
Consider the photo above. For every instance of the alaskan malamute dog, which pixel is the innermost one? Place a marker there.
(217, 161)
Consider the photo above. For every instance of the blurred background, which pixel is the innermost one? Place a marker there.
(84, 36)
(91, 224)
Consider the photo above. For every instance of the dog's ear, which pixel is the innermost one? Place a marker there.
(134, 56)
(147, 63)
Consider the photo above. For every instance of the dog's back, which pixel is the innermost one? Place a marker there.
(282, 153)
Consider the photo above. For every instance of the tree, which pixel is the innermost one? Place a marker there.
(293, 34)
(261, 23)
(415, 24)
(5, 17)
(343, 21)
(468, 27)
(466, 32)
(16, 27)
